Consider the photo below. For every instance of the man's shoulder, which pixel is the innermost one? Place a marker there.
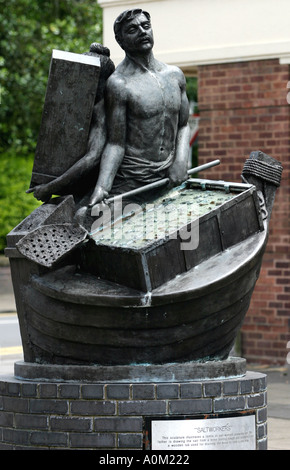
(116, 87)
(175, 73)
(116, 80)
(171, 70)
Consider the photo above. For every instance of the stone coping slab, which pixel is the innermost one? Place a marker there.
(232, 367)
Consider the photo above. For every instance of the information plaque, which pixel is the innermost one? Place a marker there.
(228, 433)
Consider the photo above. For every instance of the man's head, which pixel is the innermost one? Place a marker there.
(133, 31)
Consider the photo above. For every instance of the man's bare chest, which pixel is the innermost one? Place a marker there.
(151, 94)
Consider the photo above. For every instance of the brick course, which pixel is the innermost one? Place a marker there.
(243, 107)
(65, 419)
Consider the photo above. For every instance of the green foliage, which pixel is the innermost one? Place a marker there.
(15, 203)
(29, 30)
(191, 88)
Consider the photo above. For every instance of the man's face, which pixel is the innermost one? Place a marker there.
(137, 35)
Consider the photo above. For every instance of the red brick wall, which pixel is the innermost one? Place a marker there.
(243, 107)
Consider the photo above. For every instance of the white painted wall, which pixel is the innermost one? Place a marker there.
(195, 32)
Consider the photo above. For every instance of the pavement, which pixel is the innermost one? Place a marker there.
(278, 378)
(7, 302)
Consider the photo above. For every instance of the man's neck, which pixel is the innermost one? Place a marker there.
(144, 61)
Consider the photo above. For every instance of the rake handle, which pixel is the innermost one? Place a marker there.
(159, 183)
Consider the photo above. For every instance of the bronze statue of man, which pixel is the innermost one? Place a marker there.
(140, 134)
(146, 115)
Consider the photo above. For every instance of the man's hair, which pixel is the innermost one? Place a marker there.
(124, 17)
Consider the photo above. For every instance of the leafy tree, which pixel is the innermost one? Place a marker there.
(29, 30)
(191, 88)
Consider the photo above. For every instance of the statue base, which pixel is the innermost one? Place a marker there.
(134, 373)
(184, 413)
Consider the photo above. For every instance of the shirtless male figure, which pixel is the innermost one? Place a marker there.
(146, 115)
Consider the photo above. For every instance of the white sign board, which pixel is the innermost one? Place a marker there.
(233, 433)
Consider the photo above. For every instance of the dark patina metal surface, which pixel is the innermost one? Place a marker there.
(78, 306)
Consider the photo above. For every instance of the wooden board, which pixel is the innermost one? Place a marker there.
(67, 112)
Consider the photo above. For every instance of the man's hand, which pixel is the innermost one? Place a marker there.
(177, 175)
(40, 192)
(98, 195)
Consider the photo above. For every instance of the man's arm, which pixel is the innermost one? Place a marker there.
(178, 170)
(115, 147)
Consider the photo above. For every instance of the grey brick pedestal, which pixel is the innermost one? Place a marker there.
(39, 414)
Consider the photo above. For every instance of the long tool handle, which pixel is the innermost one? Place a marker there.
(142, 189)
(199, 168)
(159, 183)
